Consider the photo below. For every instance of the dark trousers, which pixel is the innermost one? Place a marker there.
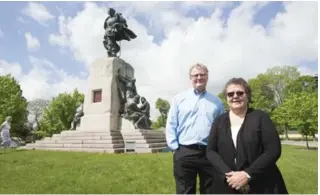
(188, 162)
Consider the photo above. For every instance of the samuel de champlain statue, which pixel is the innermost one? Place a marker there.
(116, 29)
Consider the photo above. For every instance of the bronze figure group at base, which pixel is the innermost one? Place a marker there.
(129, 103)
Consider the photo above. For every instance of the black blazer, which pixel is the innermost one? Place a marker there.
(258, 149)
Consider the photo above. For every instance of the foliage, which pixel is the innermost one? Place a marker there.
(60, 113)
(280, 117)
(87, 173)
(13, 104)
(304, 83)
(36, 109)
(224, 101)
(156, 124)
(301, 112)
(163, 106)
(278, 78)
(262, 94)
(269, 91)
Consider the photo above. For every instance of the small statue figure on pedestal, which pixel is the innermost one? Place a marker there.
(116, 29)
(77, 117)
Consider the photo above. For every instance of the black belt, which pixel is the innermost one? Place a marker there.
(195, 146)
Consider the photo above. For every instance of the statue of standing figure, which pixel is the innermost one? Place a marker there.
(5, 132)
(116, 29)
(77, 117)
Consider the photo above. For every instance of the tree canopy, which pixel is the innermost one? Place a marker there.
(60, 113)
(13, 104)
(163, 106)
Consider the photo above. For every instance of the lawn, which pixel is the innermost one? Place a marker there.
(31, 172)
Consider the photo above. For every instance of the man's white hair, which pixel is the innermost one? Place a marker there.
(198, 66)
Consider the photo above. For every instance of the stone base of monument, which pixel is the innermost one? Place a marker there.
(145, 141)
(101, 128)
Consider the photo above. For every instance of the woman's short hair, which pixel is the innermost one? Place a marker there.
(239, 81)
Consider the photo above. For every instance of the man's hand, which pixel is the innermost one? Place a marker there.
(237, 179)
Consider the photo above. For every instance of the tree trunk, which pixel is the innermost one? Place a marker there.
(314, 136)
(286, 131)
(307, 142)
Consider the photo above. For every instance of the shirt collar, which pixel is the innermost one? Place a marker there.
(196, 92)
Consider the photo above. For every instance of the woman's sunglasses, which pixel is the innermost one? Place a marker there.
(239, 93)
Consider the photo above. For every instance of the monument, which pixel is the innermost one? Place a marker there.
(113, 113)
(112, 98)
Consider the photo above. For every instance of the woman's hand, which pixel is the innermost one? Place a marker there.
(237, 179)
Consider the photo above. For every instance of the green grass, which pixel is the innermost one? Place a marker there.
(42, 172)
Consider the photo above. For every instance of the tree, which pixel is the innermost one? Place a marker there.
(36, 109)
(279, 78)
(304, 83)
(280, 116)
(262, 95)
(269, 90)
(13, 104)
(224, 101)
(163, 106)
(301, 110)
(60, 113)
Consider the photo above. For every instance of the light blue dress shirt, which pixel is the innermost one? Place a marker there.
(190, 118)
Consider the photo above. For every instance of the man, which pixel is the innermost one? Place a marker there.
(188, 125)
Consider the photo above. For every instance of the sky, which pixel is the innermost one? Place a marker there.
(49, 46)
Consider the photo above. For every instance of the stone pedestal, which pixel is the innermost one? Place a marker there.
(102, 103)
(101, 128)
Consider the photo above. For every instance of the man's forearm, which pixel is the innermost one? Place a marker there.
(171, 138)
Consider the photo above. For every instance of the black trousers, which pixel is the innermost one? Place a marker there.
(188, 162)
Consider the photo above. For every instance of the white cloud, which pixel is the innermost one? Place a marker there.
(1, 33)
(44, 80)
(33, 43)
(60, 39)
(38, 12)
(22, 20)
(235, 47)
(10, 68)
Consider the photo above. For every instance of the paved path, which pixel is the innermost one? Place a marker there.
(300, 143)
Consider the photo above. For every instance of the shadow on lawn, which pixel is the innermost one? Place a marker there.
(305, 148)
(8, 151)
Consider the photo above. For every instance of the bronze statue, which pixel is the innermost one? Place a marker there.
(127, 89)
(145, 107)
(77, 117)
(116, 29)
(134, 113)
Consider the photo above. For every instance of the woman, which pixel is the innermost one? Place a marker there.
(5, 132)
(243, 147)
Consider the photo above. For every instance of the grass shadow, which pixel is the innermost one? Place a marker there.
(11, 150)
(305, 148)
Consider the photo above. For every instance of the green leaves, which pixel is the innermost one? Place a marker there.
(289, 98)
(12, 103)
(163, 106)
(59, 113)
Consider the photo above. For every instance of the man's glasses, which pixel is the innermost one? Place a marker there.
(239, 93)
(197, 75)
